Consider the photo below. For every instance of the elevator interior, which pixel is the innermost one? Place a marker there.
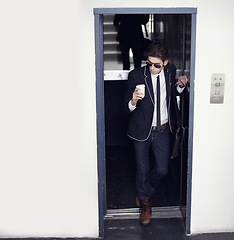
(175, 31)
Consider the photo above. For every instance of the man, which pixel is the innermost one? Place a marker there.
(153, 117)
(130, 36)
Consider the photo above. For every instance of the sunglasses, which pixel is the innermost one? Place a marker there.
(157, 65)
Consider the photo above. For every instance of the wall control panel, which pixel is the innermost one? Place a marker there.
(217, 88)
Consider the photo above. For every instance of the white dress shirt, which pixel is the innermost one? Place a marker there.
(163, 98)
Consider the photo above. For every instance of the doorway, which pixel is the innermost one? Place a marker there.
(113, 146)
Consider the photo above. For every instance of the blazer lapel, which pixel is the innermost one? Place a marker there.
(148, 83)
(168, 83)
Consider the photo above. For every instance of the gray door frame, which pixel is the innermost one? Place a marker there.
(98, 20)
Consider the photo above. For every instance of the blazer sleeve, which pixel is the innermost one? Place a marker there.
(175, 112)
(131, 85)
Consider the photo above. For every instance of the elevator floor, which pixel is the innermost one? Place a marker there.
(158, 229)
(120, 180)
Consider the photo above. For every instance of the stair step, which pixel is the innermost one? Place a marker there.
(109, 38)
(110, 33)
(111, 52)
(108, 23)
(111, 43)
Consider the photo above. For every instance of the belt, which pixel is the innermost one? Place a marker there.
(163, 127)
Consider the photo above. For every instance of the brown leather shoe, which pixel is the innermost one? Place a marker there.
(145, 212)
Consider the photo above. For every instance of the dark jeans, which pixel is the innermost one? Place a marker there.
(148, 180)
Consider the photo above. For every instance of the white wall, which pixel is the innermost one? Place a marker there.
(48, 163)
(48, 169)
(212, 193)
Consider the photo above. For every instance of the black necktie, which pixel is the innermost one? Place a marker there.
(158, 106)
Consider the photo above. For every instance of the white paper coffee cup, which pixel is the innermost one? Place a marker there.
(142, 88)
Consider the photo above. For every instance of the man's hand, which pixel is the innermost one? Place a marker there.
(183, 81)
(137, 95)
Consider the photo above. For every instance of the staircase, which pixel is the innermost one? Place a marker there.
(112, 54)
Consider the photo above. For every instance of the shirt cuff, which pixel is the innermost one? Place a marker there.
(179, 89)
(130, 106)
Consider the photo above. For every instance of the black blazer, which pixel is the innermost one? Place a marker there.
(140, 122)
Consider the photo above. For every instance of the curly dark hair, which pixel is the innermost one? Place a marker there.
(158, 50)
